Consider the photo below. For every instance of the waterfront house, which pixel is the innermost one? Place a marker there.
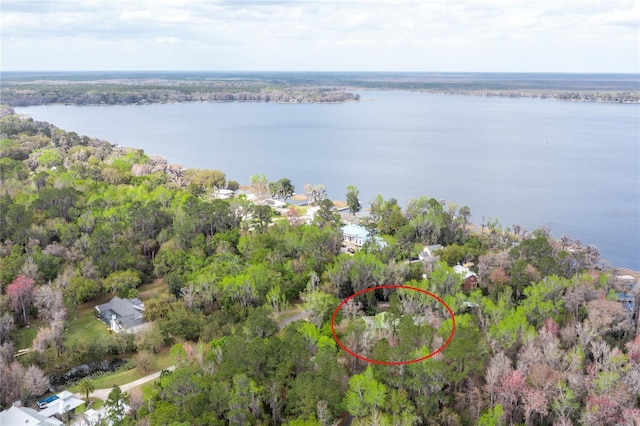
(355, 234)
(122, 315)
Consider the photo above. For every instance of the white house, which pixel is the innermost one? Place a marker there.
(66, 402)
(358, 235)
(223, 194)
(26, 416)
(311, 214)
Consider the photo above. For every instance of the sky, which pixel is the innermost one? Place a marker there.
(587, 36)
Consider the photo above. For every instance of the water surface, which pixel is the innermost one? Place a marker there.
(573, 167)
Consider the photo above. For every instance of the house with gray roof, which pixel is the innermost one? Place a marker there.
(122, 315)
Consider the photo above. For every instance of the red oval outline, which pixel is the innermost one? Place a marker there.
(375, 361)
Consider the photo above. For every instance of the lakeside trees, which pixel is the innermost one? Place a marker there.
(541, 340)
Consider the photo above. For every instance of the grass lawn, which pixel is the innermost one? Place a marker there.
(23, 336)
(163, 360)
(85, 326)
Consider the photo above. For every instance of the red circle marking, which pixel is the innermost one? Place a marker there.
(375, 361)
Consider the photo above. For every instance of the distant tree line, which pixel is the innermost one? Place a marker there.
(126, 94)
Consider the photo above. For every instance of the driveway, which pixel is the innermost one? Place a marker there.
(104, 393)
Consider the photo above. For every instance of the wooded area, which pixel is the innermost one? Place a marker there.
(543, 338)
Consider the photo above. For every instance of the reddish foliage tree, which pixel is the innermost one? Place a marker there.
(602, 410)
(536, 406)
(20, 293)
(499, 277)
(513, 388)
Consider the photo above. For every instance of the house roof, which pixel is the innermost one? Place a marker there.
(431, 249)
(464, 271)
(65, 402)
(128, 312)
(24, 415)
(356, 231)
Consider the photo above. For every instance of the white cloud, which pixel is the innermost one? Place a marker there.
(294, 34)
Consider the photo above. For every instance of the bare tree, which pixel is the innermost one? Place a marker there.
(49, 301)
(136, 400)
(34, 381)
(11, 382)
(7, 351)
(7, 326)
(500, 364)
(315, 193)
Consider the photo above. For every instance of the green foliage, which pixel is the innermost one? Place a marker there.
(122, 282)
(115, 405)
(282, 189)
(182, 323)
(365, 394)
(353, 203)
(492, 417)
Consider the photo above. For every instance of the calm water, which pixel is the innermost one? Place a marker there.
(573, 167)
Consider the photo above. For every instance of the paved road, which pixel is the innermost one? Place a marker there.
(104, 393)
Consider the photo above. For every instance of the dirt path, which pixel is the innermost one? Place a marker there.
(298, 316)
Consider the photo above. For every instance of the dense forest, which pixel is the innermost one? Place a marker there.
(144, 91)
(244, 295)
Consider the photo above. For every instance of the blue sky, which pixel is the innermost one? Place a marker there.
(325, 35)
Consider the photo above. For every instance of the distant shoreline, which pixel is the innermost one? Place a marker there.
(22, 89)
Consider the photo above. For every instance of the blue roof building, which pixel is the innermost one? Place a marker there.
(358, 235)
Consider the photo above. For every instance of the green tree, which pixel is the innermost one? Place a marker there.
(183, 323)
(318, 305)
(492, 417)
(353, 203)
(86, 387)
(206, 179)
(122, 282)
(282, 189)
(244, 403)
(115, 405)
(365, 394)
(262, 217)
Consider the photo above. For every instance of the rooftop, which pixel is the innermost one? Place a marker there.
(24, 415)
(127, 311)
(356, 231)
(65, 402)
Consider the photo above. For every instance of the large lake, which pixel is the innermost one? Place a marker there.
(572, 167)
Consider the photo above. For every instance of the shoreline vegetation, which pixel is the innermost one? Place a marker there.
(239, 292)
(31, 89)
(179, 177)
